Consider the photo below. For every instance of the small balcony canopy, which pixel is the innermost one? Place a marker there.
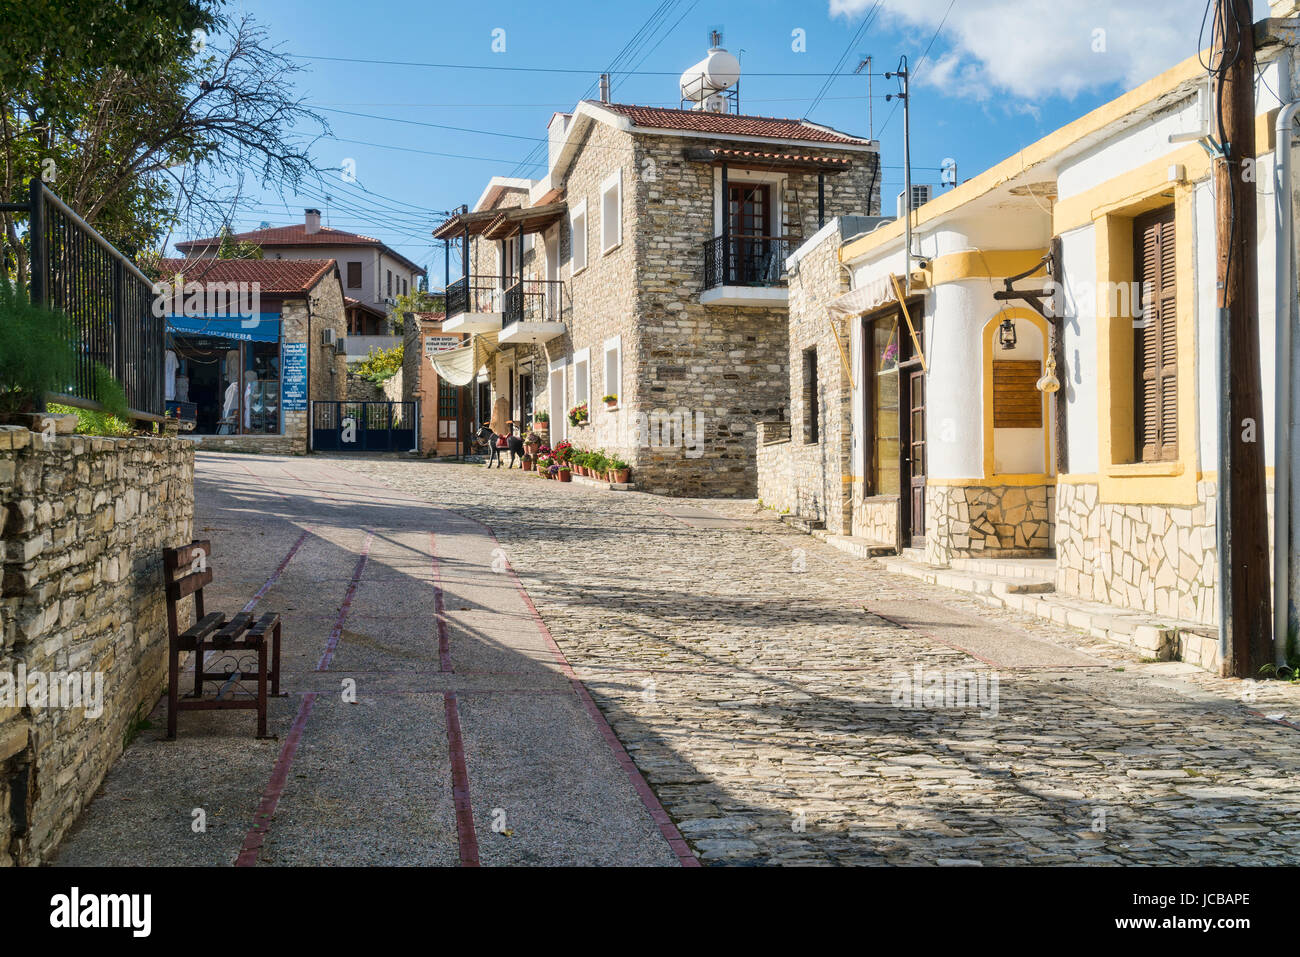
(534, 219)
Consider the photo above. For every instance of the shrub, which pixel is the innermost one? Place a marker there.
(36, 351)
(380, 365)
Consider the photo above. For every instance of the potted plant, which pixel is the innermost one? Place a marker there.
(579, 415)
(611, 401)
(619, 470)
(597, 463)
(542, 424)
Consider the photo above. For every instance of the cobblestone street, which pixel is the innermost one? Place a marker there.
(752, 673)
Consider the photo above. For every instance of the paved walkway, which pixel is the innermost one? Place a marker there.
(431, 719)
(778, 695)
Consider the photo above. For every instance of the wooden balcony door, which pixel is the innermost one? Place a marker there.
(750, 209)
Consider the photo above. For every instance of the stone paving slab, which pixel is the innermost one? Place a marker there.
(736, 664)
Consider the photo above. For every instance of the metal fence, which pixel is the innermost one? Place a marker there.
(110, 302)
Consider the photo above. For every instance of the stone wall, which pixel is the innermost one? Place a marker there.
(876, 518)
(85, 520)
(983, 521)
(1161, 559)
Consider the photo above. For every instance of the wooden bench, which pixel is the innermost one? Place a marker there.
(187, 572)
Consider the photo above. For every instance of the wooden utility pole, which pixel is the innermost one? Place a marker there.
(1243, 516)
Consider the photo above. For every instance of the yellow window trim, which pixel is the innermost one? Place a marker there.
(990, 330)
(1123, 481)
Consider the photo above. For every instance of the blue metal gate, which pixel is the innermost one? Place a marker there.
(363, 426)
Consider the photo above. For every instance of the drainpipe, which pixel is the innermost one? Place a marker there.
(1286, 507)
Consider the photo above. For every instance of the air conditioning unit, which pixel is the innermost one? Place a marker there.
(341, 347)
(920, 196)
(327, 337)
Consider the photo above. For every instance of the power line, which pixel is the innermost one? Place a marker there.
(533, 69)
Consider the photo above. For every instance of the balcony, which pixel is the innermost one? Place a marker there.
(746, 271)
(475, 304)
(534, 311)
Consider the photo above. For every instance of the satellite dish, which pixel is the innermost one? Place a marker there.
(948, 172)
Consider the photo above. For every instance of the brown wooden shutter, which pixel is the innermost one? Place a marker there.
(1017, 403)
(1155, 340)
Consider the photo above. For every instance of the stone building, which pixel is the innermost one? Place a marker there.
(1077, 424)
(252, 343)
(648, 264)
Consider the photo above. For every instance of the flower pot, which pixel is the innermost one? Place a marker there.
(565, 475)
(621, 475)
(528, 465)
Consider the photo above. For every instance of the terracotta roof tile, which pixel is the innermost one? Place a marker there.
(295, 235)
(724, 124)
(275, 277)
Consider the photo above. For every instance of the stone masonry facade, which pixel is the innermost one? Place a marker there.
(724, 368)
(982, 521)
(85, 520)
(807, 474)
(1162, 559)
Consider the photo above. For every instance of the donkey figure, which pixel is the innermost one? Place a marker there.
(497, 444)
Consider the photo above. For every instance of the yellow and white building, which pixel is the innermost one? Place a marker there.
(960, 442)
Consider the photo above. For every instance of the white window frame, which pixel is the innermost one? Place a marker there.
(582, 360)
(614, 345)
(612, 183)
(559, 430)
(579, 212)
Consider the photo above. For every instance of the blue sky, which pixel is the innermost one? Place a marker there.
(999, 74)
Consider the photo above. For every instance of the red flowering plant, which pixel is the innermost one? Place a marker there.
(563, 453)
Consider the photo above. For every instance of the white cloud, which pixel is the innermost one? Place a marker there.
(1037, 48)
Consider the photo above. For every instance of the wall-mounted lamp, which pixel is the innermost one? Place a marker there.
(1007, 333)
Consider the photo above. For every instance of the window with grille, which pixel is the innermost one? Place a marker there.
(811, 426)
(1155, 340)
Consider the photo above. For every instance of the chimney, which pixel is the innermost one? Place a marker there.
(604, 88)
(313, 221)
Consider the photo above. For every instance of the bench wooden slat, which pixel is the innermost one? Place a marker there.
(189, 585)
(264, 624)
(205, 626)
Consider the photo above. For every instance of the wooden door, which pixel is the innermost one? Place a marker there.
(916, 454)
(750, 209)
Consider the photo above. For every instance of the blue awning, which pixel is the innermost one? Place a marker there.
(263, 327)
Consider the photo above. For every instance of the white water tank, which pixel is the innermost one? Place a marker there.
(715, 73)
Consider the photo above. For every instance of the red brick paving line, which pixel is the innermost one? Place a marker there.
(275, 788)
(465, 834)
(337, 631)
(648, 797)
(280, 773)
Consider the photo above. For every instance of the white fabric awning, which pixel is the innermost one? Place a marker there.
(460, 365)
(876, 293)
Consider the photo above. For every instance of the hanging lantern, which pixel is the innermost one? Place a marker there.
(1007, 333)
(1049, 383)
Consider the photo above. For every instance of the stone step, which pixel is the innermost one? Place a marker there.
(803, 524)
(1040, 569)
(855, 545)
(597, 483)
(1163, 639)
(976, 584)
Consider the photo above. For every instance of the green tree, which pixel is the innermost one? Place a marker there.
(418, 300)
(140, 113)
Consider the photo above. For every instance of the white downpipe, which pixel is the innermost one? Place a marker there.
(1286, 507)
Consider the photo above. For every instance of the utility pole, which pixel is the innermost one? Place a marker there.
(1244, 588)
(903, 75)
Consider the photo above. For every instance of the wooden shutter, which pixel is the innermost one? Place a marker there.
(1017, 403)
(1155, 340)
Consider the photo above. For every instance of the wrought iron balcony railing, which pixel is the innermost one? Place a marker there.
(474, 294)
(535, 300)
(745, 261)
